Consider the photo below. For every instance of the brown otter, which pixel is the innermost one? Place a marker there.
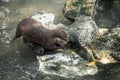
(35, 32)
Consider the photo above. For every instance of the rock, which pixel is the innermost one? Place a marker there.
(45, 18)
(67, 65)
(101, 11)
(85, 30)
(106, 46)
(75, 8)
(86, 33)
(69, 10)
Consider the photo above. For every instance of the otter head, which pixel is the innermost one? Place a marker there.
(56, 39)
(61, 38)
(61, 34)
(55, 43)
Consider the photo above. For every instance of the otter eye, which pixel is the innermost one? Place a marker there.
(57, 44)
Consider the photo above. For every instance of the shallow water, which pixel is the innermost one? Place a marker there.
(17, 61)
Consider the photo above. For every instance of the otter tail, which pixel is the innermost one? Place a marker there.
(18, 34)
(13, 40)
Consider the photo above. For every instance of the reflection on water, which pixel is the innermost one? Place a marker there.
(17, 61)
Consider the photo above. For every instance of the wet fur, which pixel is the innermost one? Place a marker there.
(34, 31)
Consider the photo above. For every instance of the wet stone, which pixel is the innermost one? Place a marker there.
(106, 46)
(85, 30)
(101, 11)
(67, 65)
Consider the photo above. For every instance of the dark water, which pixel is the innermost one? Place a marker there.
(17, 61)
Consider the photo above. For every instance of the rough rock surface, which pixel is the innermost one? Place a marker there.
(101, 11)
(65, 65)
(105, 23)
(75, 8)
(85, 29)
(108, 44)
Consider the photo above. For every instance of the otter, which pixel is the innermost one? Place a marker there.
(35, 32)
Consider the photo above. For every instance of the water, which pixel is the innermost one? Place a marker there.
(17, 61)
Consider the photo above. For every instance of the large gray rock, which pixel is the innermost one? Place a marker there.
(67, 65)
(107, 13)
(85, 30)
(108, 44)
(99, 11)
